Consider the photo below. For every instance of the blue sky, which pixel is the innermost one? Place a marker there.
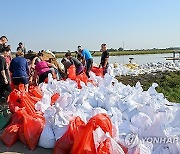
(65, 24)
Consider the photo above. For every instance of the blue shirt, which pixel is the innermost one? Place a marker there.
(86, 54)
(19, 67)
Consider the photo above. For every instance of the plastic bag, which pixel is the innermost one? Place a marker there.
(10, 134)
(21, 134)
(14, 100)
(20, 98)
(72, 72)
(47, 138)
(33, 127)
(65, 143)
(59, 131)
(35, 91)
(83, 141)
(105, 144)
(98, 71)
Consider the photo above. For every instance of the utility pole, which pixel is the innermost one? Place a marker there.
(123, 45)
(123, 50)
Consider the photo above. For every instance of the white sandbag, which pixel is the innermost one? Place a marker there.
(176, 121)
(44, 103)
(92, 102)
(127, 114)
(152, 89)
(47, 138)
(59, 130)
(65, 100)
(126, 128)
(141, 120)
(60, 125)
(96, 111)
(86, 107)
(167, 149)
(141, 148)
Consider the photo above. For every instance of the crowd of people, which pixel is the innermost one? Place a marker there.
(33, 71)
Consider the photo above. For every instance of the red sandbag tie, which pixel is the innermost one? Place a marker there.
(54, 98)
(98, 71)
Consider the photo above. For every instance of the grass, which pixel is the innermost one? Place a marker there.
(125, 52)
(169, 83)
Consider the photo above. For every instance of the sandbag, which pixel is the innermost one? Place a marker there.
(33, 127)
(65, 143)
(72, 72)
(81, 77)
(14, 100)
(21, 134)
(47, 138)
(83, 141)
(10, 134)
(98, 71)
(104, 144)
(59, 131)
(35, 91)
(20, 98)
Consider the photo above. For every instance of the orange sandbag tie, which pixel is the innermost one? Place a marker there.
(10, 134)
(105, 147)
(72, 72)
(84, 141)
(81, 77)
(54, 98)
(33, 98)
(65, 143)
(35, 91)
(98, 71)
(28, 104)
(14, 100)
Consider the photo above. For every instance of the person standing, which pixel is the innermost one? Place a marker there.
(86, 59)
(104, 58)
(5, 87)
(3, 41)
(21, 47)
(20, 70)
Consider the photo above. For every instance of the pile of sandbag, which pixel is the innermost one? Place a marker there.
(79, 117)
(131, 110)
(26, 123)
(133, 69)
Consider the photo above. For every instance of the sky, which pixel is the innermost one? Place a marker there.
(62, 25)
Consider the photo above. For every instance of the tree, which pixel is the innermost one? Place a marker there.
(120, 49)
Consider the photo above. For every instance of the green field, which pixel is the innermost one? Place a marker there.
(125, 52)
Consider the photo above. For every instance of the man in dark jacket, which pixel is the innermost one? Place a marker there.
(5, 88)
(104, 58)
